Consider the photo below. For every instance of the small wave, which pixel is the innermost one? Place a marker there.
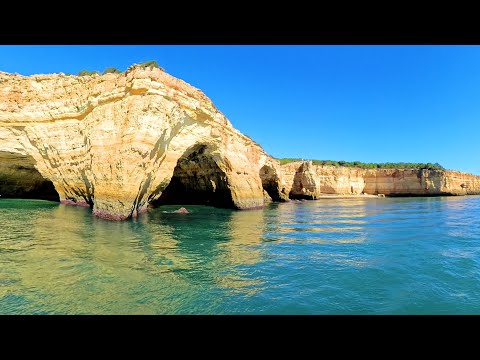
(457, 254)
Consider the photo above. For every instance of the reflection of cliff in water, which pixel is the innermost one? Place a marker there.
(337, 220)
(88, 261)
(221, 241)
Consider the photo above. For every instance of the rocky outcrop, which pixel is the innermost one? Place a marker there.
(271, 176)
(117, 142)
(458, 183)
(305, 180)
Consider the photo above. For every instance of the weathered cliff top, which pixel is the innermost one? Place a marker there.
(43, 98)
(296, 164)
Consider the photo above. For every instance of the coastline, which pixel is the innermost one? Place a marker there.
(60, 143)
(347, 196)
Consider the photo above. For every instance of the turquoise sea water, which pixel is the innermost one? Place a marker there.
(330, 256)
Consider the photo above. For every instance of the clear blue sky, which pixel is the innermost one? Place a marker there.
(365, 103)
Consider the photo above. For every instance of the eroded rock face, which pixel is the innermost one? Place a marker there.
(113, 142)
(272, 182)
(305, 180)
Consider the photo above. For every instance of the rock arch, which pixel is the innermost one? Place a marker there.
(272, 185)
(200, 177)
(112, 142)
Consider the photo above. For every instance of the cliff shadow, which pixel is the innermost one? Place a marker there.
(198, 179)
(21, 180)
(271, 184)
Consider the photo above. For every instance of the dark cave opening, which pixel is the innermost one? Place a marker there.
(19, 179)
(270, 183)
(197, 180)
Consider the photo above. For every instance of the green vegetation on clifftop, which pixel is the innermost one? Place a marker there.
(111, 70)
(361, 165)
(87, 73)
(151, 64)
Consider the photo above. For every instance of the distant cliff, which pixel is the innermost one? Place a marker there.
(305, 180)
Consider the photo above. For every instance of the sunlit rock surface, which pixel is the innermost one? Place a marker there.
(305, 180)
(114, 142)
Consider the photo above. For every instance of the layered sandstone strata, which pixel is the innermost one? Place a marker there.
(114, 142)
(305, 180)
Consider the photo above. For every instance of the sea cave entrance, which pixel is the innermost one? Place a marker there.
(198, 179)
(271, 184)
(20, 179)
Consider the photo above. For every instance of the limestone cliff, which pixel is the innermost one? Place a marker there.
(117, 142)
(120, 142)
(305, 180)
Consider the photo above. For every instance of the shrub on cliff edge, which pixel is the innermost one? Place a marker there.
(147, 64)
(151, 64)
(111, 70)
(87, 73)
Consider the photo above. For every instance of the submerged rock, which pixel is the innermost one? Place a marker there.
(182, 210)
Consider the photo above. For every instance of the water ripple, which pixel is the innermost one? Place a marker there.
(331, 256)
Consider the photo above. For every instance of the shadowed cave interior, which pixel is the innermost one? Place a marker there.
(19, 179)
(270, 183)
(197, 180)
